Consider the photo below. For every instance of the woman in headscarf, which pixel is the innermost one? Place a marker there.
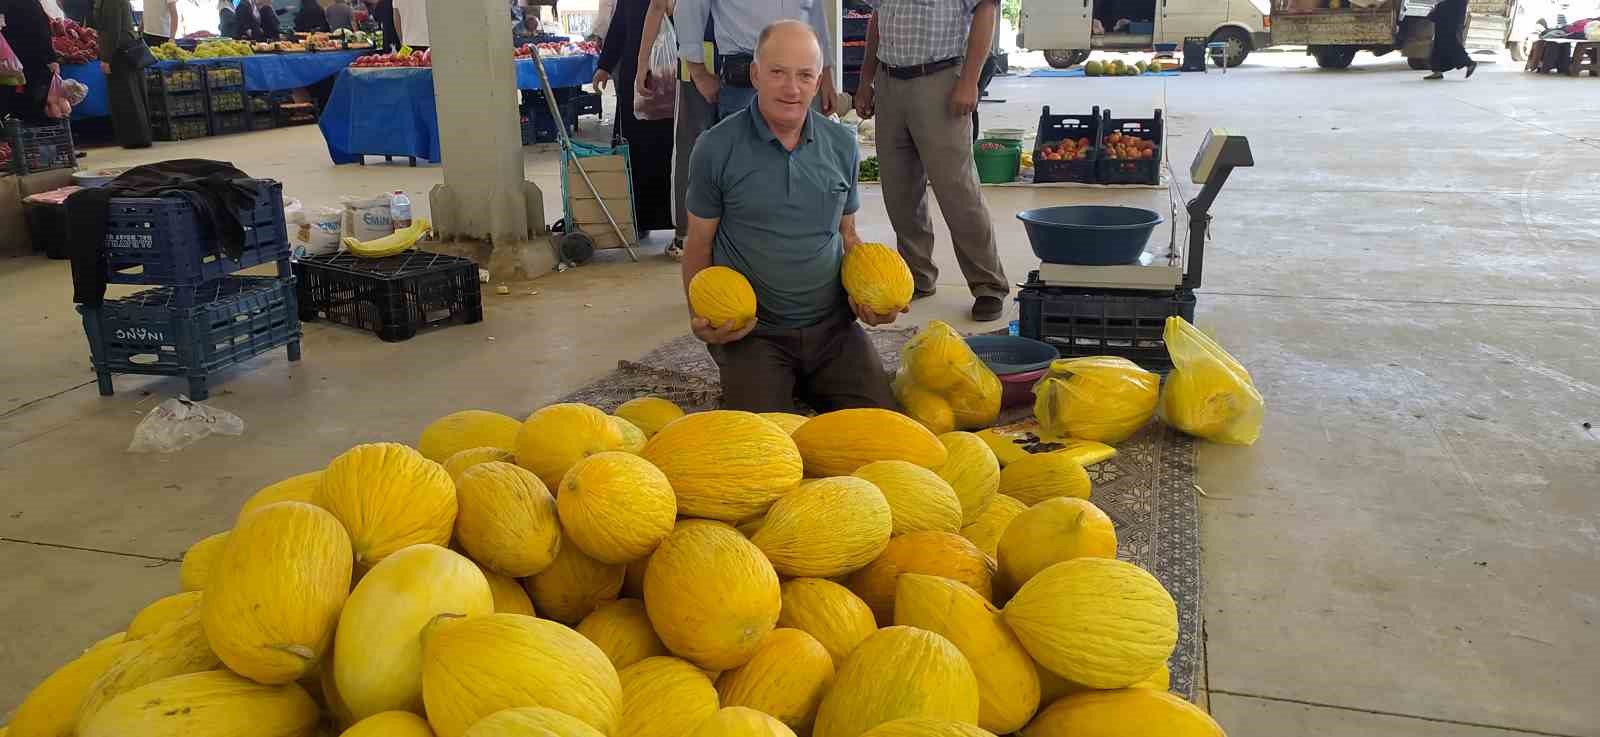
(311, 18)
(1449, 31)
(120, 52)
(649, 141)
(27, 30)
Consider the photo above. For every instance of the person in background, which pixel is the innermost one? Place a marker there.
(160, 21)
(931, 53)
(649, 141)
(694, 112)
(527, 31)
(227, 22)
(411, 23)
(737, 23)
(1449, 47)
(602, 20)
(195, 16)
(382, 13)
(257, 20)
(311, 18)
(130, 118)
(78, 10)
(27, 30)
(340, 15)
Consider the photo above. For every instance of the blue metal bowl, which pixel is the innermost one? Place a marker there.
(1012, 354)
(1089, 235)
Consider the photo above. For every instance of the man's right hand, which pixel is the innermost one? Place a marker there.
(705, 81)
(105, 68)
(715, 335)
(863, 100)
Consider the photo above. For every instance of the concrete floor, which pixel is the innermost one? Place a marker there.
(1411, 549)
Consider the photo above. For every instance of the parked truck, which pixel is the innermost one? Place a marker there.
(1068, 30)
(1334, 30)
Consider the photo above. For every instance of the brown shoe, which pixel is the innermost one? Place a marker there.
(987, 309)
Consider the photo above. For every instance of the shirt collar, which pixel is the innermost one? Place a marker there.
(807, 131)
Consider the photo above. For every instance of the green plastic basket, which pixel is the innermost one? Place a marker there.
(997, 166)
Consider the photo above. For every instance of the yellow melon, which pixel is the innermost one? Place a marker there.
(1052, 686)
(531, 721)
(877, 278)
(825, 528)
(926, 728)
(749, 527)
(986, 531)
(898, 673)
(1133, 712)
(179, 647)
(573, 585)
(616, 507)
(724, 464)
(210, 703)
(976, 406)
(711, 594)
(1103, 398)
(161, 612)
(299, 488)
(388, 496)
(839, 442)
(472, 428)
(622, 630)
(509, 596)
(633, 438)
(1042, 476)
(740, 721)
(1008, 689)
(560, 435)
(378, 648)
(1099, 622)
(507, 519)
(463, 460)
(785, 678)
(786, 420)
(633, 578)
(1052, 531)
(938, 359)
(722, 296)
(649, 414)
(925, 407)
(198, 561)
(827, 611)
(327, 687)
(115, 638)
(51, 708)
(475, 666)
(972, 470)
(918, 498)
(390, 724)
(664, 697)
(934, 553)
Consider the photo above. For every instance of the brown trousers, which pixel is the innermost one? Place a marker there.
(920, 141)
(831, 365)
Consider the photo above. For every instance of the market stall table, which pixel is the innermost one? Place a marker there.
(390, 111)
(262, 73)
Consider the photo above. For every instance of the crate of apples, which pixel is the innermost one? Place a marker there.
(1066, 150)
(1125, 147)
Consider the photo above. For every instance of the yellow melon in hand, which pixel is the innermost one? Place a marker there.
(877, 278)
(507, 520)
(711, 594)
(388, 496)
(724, 464)
(473, 428)
(898, 673)
(831, 613)
(616, 507)
(785, 678)
(558, 436)
(825, 528)
(649, 414)
(722, 296)
(1098, 622)
(1052, 531)
(664, 697)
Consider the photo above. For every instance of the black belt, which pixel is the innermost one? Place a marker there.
(921, 70)
(735, 70)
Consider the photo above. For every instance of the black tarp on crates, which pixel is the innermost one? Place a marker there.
(393, 296)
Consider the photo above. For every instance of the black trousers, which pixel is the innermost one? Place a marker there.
(831, 365)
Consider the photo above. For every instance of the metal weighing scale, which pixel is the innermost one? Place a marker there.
(1122, 310)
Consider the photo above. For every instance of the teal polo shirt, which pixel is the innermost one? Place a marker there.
(779, 211)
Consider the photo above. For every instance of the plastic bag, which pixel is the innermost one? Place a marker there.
(1208, 395)
(1010, 446)
(10, 66)
(323, 231)
(56, 104)
(1103, 398)
(179, 423)
(367, 218)
(659, 100)
(76, 92)
(943, 384)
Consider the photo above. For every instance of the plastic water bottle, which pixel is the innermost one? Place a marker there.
(400, 210)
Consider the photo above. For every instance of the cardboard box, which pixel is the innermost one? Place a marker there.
(610, 177)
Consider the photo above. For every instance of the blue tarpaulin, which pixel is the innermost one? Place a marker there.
(262, 73)
(96, 104)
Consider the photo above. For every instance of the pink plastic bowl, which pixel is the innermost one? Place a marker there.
(1017, 389)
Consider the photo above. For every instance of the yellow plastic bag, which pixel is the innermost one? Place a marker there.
(1209, 395)
(1103, 398)
(943, 384)
(1013, 445)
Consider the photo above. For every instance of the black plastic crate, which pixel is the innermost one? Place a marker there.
(539, 127)
(855, 28)
(151, 333)
(227, 101)
(1102, 322)
(587, 103)
(393, 296)
(295, 113)
(1132, 171)
(223, 75)
(1054, 129)
(160, 240)
(177, 105)
(162, 79)
(223, 124)
(37, 148)
(180, 129)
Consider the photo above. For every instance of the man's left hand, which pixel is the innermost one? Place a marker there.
(964, 99)
(871, 318)
(829, 98)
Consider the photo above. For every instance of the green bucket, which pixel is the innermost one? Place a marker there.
(997, 165)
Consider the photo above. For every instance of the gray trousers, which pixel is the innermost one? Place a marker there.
(694, 115)
(919, 141)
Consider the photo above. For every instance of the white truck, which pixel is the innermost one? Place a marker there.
(1333, 32)
(1066, 30)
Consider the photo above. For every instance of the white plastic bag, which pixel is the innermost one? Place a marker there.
(179, 423)
(324, 231)
(659, 100)
(367, 218)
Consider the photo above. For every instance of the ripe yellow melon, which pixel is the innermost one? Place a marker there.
(1008, 688)
(786, 420)
(161, 612)
(825, 528)
(898, 673)
(739, 721)
(664, 697)
(573, 585)
(530, 721)
(560, 435)
(633, 578)
(925, 407)
(465, 459)
(926, 728)
(388, 496)
(1133, 712)
(877, 278)
(509, 596)
(649, 414)
(507, 520)
(214, 702)
(616, 507)
(622, 630)
(1052, 531)
(1042, 476)
(378, 648)
(282, 553)
(299, 488)
(115, 638)
(829, 612)
(711, 594)
(1099, 622)
(472, 428)
(972, 470)
(390, 724)
(724, 464)
(179, 647)
(839, 442)
(934, 553)
(986, 531)
(475, 666)
(51, 708)
(751, 526)
(633, 438)
(198, 561)
(722, 296)
(918, 498)
(785, 679)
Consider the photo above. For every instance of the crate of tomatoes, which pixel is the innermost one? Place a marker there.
(1131, 150)
(1065, 147)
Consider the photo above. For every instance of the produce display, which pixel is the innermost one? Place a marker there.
(555, 48)
(1116, 68)
(392, 244)
(401, 58)
(1066, 150)
(73, 44)
(1118, 146)
(869, 169)
(222, 48)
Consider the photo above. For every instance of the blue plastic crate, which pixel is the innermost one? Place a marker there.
(150, 333)
(160, 240)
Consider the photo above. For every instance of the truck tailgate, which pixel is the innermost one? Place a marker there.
(1344, 26)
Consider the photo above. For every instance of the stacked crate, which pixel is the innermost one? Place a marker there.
(177, 100)
(201, 316)
(855, 51)
(227, 101)
(37, 148)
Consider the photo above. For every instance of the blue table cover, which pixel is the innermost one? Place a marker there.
(262, 73)
(96, 104)
(390, 111)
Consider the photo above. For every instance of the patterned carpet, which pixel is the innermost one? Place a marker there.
(1148, 489)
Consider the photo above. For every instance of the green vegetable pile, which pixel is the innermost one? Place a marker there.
(869, 169)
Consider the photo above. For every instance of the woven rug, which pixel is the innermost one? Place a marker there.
(1147, 490)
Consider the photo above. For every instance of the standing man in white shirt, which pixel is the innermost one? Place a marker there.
(160, 21)
(411, 22)
(737, 26)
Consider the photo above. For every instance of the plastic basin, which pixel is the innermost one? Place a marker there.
(1012, 354)
(1089, 235)
(1016, 390)
(997, 166)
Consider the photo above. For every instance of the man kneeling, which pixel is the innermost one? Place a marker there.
(772, 195)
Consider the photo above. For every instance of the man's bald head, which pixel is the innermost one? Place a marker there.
(789, 42)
